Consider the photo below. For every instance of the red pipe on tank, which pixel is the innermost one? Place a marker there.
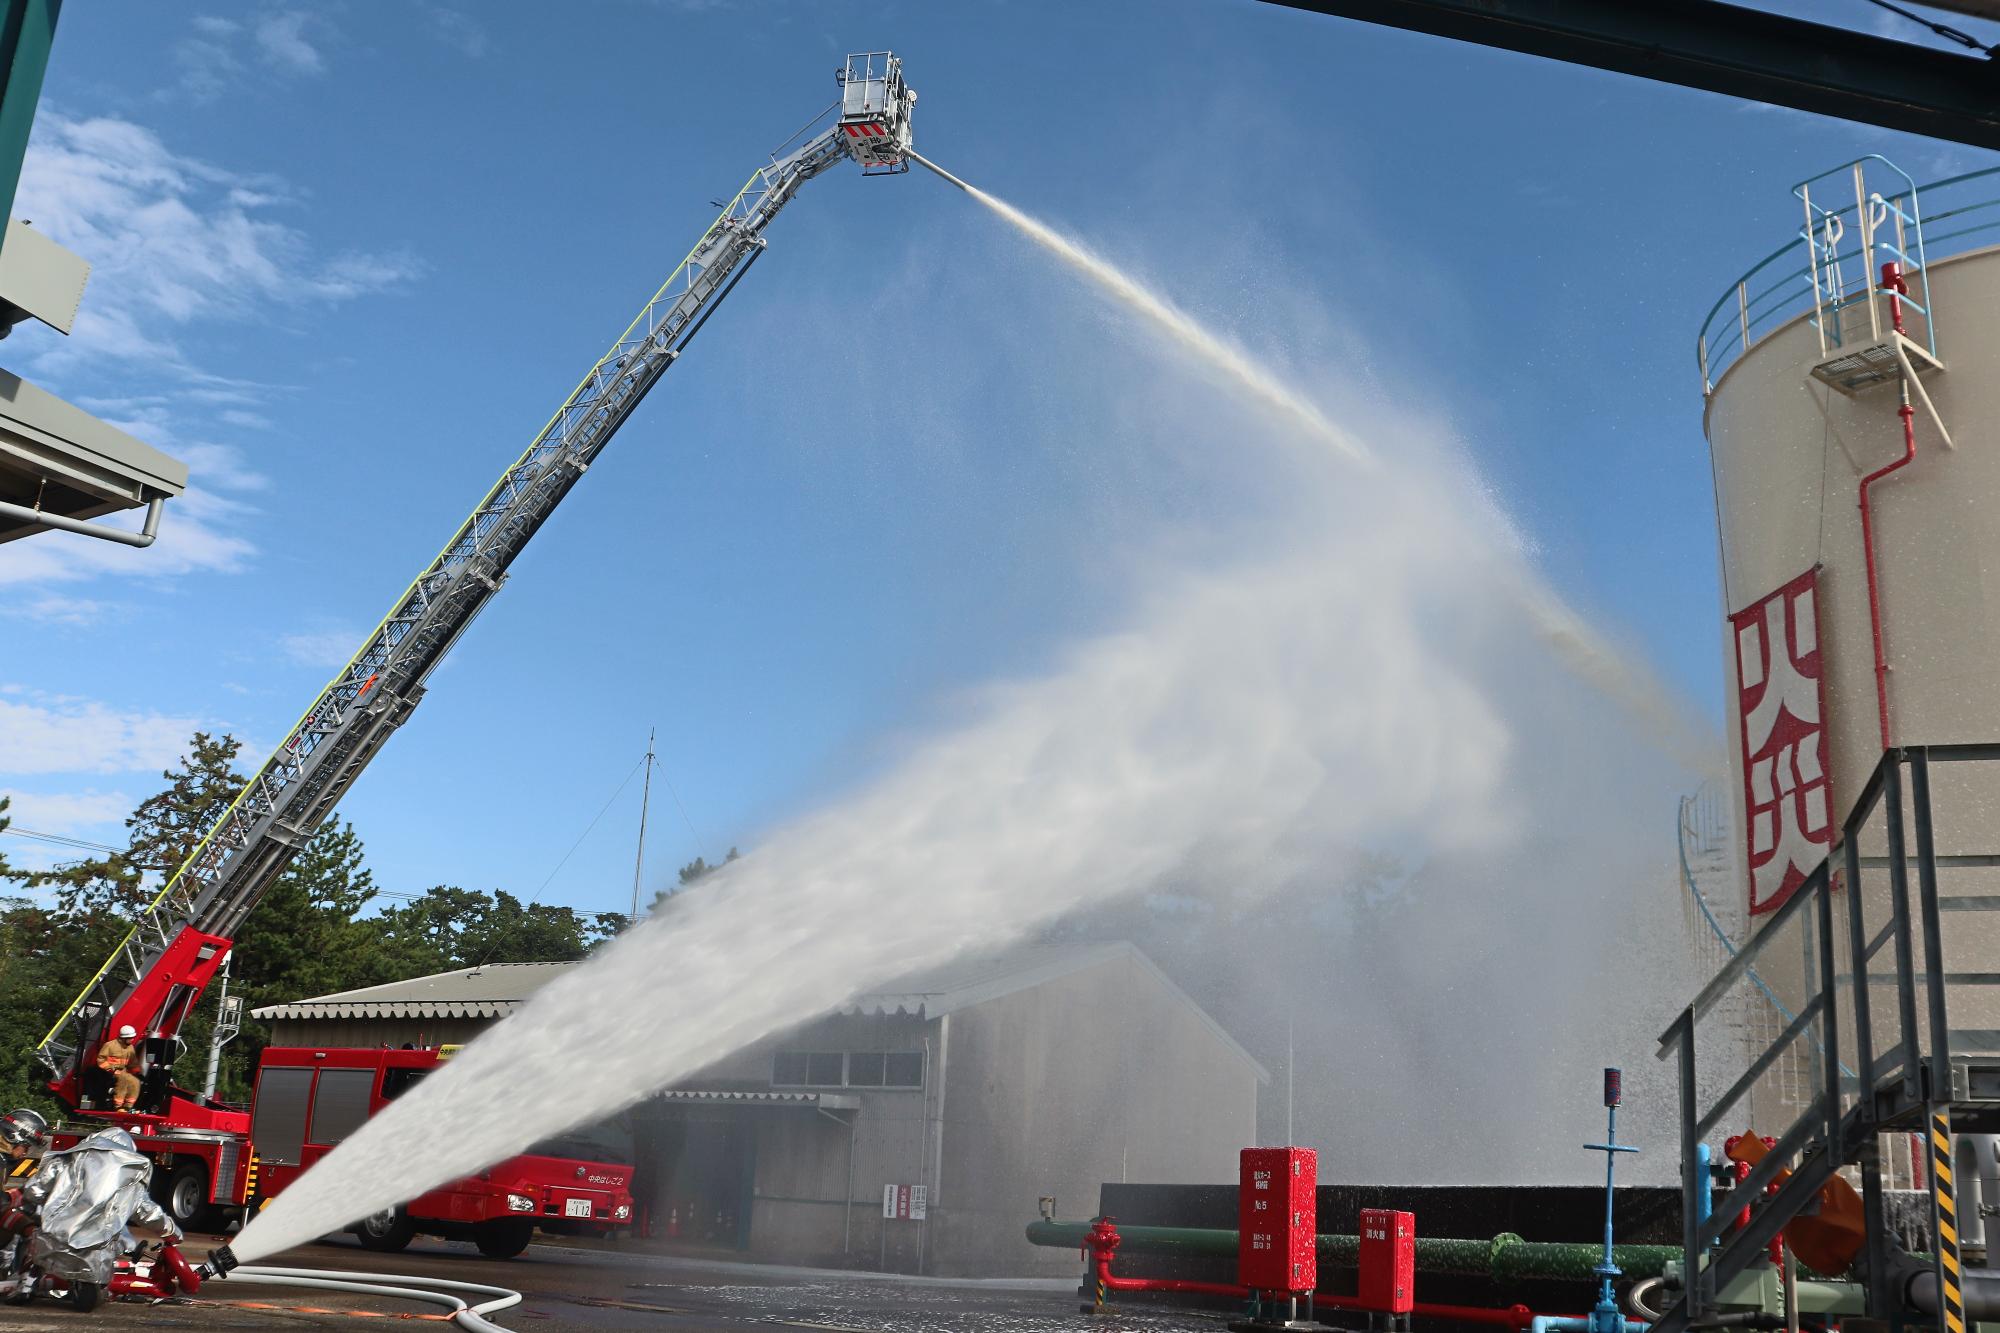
(1892, 281)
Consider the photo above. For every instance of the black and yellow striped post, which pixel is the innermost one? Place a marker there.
(1944, 1218)
(24, 1167)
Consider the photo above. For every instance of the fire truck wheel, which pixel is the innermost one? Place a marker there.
(391, 1229)
(503, 1237)
(184, 1194)
(83, 1296)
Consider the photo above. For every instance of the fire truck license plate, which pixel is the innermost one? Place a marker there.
(576, 1208)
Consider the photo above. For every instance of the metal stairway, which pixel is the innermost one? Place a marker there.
(1861, 949)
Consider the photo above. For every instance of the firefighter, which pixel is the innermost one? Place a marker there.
(24, 1135)
(120, 1059)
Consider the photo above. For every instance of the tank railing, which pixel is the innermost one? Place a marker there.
(1770, 294)
(1838, 289)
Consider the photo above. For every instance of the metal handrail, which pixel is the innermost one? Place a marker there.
(1717, 346)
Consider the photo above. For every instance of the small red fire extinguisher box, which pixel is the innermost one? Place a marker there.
(1277, 1222)
(1388, 1260)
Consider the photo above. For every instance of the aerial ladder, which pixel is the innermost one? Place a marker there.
(158, 972)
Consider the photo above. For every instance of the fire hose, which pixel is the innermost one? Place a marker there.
(426, 1290)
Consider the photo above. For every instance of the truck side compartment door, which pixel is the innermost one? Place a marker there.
(278, 1125)
(341, 1103)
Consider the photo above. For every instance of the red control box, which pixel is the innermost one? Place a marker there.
(1388, 1260)
(1277, 1221)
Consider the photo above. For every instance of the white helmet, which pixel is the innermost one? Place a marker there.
(126, 1032)
(24, 1128)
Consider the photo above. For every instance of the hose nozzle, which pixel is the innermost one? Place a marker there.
(218, 1263)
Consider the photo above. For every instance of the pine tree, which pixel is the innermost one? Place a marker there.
(166, 828)
(160, 835)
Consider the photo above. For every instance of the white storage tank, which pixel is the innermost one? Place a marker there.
(1805, 378)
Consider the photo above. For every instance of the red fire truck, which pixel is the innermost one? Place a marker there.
(308, 1099)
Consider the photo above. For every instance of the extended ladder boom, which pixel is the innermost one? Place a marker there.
(154, 977)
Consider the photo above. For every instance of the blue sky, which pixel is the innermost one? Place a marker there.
(349, 257)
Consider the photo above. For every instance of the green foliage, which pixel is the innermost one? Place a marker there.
(691, 874)
(319, 929)
(451, 927)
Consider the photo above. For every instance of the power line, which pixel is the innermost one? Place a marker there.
(1945, 31)
(593, 824)
(61, 840)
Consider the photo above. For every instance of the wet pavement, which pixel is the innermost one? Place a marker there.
(566, 1288)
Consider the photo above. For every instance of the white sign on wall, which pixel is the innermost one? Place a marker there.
(905, 1203)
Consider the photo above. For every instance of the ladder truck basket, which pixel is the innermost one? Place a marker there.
(875, 107)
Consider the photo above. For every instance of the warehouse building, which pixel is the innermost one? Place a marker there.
(914, 1129)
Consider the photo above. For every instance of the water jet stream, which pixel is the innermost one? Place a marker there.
(1586, 654)
(1247, 726)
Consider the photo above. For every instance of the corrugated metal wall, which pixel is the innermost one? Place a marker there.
(368, 1032)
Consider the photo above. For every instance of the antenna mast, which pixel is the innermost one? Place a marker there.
(645, 800)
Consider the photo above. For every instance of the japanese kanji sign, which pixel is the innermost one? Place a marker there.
(1781, 699)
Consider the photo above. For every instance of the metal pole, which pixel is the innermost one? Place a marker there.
(924, 1149)
(936, 1160)
(1690, 1201)
(1881, 1303)
(1289, 1138)
(1857, 943)
(1829, 1017)
(1606, 1317)
(1867, 253)
(1933, 928)
(225, 1030)
(847, 1210)
(645, 802)
(1899, 904)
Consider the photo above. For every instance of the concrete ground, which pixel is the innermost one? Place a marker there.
(568, 1288)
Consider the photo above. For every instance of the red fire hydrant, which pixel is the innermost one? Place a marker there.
(1097, 1251)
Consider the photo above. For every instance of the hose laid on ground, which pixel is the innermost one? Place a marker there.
(434, 1291)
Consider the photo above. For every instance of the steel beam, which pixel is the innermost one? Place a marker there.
(1721, 48)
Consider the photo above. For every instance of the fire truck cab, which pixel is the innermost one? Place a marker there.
(308, 1100)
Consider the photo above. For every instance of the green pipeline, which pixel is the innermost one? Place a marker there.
(1506, 1258)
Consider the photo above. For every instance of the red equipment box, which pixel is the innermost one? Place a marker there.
(1277, 1222)
(1388, 1260)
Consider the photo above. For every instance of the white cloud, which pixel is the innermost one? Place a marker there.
(208, 67)
(175, 243)
(282, 39)
(68, 813)
(457, 30)
(173, 240)
(51, 609)
(329, 648)
(59, 734)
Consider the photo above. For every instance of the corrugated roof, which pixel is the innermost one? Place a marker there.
(497, 989)
(493, 990)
